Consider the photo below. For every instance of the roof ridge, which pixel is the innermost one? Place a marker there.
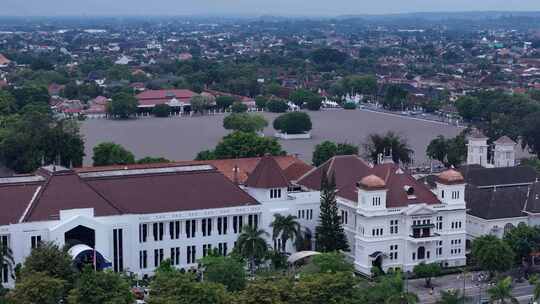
(101, 195)
(36, 200)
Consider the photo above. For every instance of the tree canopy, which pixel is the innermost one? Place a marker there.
(492, 254)
(109, 153)
(123, 106)
(327, 149)
(241, 145)
(385, 144)
(293, 123)
(245, 122)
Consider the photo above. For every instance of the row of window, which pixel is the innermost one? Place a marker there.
(454, 194)
(456, 225)
(175, 255)
(275, 193)
(305, 214)
(394, 224)
(190, 227)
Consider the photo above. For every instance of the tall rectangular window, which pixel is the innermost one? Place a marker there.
(143, 259)
(207, 249)
(275, 193)
(118, 250)
(191, 254)
(175, 256)
(222, 248)
(158, 257)
(174, 230)
(206, 227)
(191, 228)
(35, 241)
(143, 233)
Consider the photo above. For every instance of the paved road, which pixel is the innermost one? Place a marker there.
(473, 290)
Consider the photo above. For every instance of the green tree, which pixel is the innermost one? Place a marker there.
(224, 102)
(530, 134)
(329, 234)
(200, 103)
(30, 94)
(265, 292)
(327, 149)
(122, 106)
(153, 160)
(109, 153)
(395, 98)
(469, 107)
(535, 281)
(502, 292)
(384, 144)
(284, 227)
(260, 102)
(450, 152)
(427, 271)
(52, 261)
(293, 123)
(241, 145)
(325, 288)
(532, 162)
(523, 240)
(251, 245)
(451, 297)
(492, 254)
(8, 104)
(172, 286)
(228, 271)
(277, 106)
(303, 97)
(161, 110)
(38, 287)
(329, 262)
(239, 107)
(245, 122)
(100, 287)
(205, 155)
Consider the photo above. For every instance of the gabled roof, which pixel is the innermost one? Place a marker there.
(66, 190)
(349, 170)
(267, 175)
(41, 197)
(505, 140)
(533, 199)
(496, 203)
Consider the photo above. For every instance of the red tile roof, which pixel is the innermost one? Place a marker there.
(293, 167)
(182, 188)
(350, 169)
(267, 175)
(152, 97)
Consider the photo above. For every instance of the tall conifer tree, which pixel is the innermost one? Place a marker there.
(329, 233)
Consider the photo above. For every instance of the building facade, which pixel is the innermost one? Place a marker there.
(393, 221)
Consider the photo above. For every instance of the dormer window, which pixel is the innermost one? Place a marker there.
(455, 194)
(376, 201)
(275, 193)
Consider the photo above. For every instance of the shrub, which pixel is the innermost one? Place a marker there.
(161, 110)
(239, 107)
(293, 123)
(277, 106)
(349, 106)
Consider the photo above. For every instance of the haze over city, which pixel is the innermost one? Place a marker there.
(250, 7)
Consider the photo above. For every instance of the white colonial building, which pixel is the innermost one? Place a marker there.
(137, 216)
(392, 220)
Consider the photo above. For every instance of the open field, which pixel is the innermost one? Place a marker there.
(182, 138)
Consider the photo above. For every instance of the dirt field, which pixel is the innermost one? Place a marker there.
(182, 138)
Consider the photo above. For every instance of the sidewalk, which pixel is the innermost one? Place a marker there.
(474, 290)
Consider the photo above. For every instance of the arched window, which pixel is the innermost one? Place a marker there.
(508, 227)
(421, 253)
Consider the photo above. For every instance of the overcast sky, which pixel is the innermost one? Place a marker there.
(253, 7)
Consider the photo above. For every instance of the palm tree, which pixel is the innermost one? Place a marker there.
(402, 298)
(6, 257)
(451, 297)
(388, 143)
(502, 292)
(251, 245)
(286, 227)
